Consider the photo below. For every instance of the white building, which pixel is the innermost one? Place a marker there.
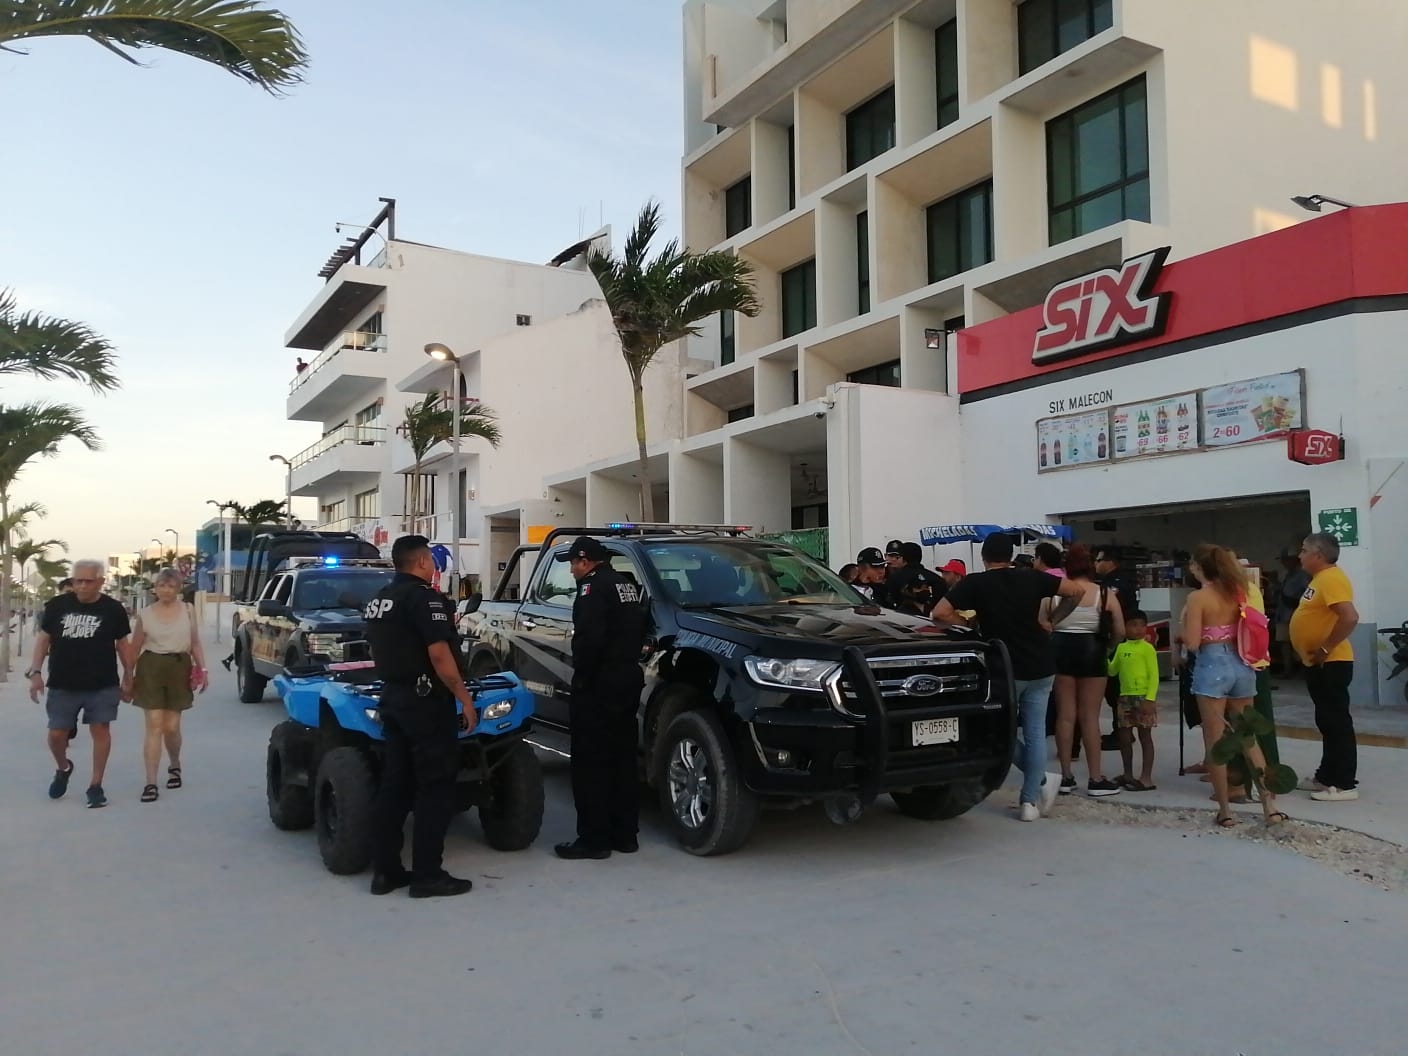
(895, 170)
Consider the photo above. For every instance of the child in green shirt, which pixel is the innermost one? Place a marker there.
(1136, 665)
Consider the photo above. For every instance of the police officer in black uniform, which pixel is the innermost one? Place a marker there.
(911, 587)
(608, 633)
(411, 631)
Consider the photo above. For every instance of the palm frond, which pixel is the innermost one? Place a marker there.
(35, 430)
(252, 41)
(51, 349)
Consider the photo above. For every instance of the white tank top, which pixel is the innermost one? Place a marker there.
(166, 635)
(1083, 619)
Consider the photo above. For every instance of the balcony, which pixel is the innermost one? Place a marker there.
(366, 527)
(347, 456)
(352, 368)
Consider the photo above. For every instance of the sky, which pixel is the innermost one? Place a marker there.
(184, 214)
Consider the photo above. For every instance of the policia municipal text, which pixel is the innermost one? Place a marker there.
(411, 630)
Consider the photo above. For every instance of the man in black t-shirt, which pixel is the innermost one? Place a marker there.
(83, 634)
(1007, 602)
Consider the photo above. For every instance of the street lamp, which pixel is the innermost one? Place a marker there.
(225, 546)
(288, 488)
(1311, 203)
(435, 350)
(176, 544)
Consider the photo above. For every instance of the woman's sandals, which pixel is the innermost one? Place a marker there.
(149, 793)
(174, 781)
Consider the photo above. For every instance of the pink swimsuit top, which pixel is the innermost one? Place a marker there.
(1223, 632)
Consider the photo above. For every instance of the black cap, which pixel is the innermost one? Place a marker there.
(894, 548)
(871, 556)
(587, 548)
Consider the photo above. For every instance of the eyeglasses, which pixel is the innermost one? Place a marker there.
(87, 581)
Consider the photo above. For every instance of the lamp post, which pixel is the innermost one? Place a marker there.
(288, 488)
(1312, 203)
(176, 544)
(435, 350)
(225, 576)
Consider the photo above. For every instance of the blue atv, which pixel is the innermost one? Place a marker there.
(324, 762)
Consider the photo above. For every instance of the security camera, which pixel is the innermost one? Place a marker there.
(820, 414)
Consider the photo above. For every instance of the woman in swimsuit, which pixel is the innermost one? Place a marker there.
(1222, 681)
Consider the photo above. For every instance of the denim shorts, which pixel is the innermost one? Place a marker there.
(97, 706)
(1221, 673)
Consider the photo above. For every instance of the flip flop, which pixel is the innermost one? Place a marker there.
(174, 781)
(1138, 786)
(1225, 821)
(149, 794)
(1277, 817)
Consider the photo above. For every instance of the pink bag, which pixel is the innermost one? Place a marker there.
(1253, 635)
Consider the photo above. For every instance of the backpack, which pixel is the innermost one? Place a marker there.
(1253, 635)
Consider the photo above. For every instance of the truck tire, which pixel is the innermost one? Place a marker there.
(484, 664)
(941, 802)
(342, 807)
(702, 793)
(249, 681)
(513, 815)
(290, 806)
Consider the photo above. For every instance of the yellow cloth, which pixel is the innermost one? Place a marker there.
(1258, 602)
(1313, 619)
(1136, 664)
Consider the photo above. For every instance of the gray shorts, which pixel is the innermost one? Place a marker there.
(99, 706)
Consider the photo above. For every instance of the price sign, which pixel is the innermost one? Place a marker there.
(1251, 410)
(1073, 440)
(1156, 427)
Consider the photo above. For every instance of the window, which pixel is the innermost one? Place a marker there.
(863, 262)
(960, 232)
(799, 298)
(332, 511)
(372, 324)
(946, 71)
(557, 587)
(368, 414)
(738, 414)
(791, 167)
(347, 590)
(870, 129)
(880, 374)
(738, 207)
(1047, 28)
(366, 505)
(523, 320)
(727, 340)
(1097, 161)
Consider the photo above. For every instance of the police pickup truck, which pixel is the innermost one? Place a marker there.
(302, 604)
(768, 680)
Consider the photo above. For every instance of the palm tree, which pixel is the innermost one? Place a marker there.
(249, 40)
(29, 431)
(656, 302)
(256, 515)
(51, 572)
(52, 349)
(22, 553)
(432, 421)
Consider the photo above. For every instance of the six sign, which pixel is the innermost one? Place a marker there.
(1313, 447)
(1105, 308)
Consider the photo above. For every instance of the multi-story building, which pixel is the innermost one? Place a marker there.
(895, 170)
(534, 344)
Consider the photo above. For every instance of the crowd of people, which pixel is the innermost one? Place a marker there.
(1078, 641)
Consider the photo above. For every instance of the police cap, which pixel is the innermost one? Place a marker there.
(587, 549)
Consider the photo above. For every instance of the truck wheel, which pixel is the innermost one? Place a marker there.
(249, 681)
(709, 808)
(342, 804)
(484, 664)
(290, 806)
(940, 802)
(513, 814)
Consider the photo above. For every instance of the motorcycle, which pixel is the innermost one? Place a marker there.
(1398, 640)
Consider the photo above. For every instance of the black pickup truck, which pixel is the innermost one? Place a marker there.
(768, 679)
(301, 602)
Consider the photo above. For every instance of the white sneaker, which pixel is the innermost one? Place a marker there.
(1030, 812)
(1332, 794)
(1049, 791)
(1309, 784)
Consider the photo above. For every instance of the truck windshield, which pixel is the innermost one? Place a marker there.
(734, 572)
(340, 590)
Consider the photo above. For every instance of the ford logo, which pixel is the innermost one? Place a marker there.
(921, 685)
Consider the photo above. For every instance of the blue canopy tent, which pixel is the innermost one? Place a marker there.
(976, 533)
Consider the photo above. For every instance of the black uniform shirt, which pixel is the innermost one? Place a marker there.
(608, 626)
(913, 589)
(406, 616)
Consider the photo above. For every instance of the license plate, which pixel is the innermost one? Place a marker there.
(935, 731)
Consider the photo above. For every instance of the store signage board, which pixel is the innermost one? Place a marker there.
(1105, 308)
(1156, 427)
(1256, 409)
(1314, 447)
(1343, 524)
(1073, 440)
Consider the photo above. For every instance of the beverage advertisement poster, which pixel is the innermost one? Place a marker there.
(1073, 440)
(1255, 409)
(1156, 427)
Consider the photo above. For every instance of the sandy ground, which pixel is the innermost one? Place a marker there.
(193, 926)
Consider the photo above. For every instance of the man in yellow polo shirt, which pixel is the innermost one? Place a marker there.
(1320, 629)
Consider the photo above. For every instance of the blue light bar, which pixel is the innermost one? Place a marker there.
(620, 524)
(331, 562)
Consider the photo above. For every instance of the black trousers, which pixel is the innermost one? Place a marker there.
(418, 774)
(1328, 684)
(605, 781)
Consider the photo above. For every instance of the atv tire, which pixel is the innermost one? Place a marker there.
(342, 807)
(940, 802)
(512, 816)
(290, 805)
(249, 681)
(709, 808)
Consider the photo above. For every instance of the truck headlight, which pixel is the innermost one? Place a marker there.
(373, 713)
(329, 645)
(790, 674)
(499, 709)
